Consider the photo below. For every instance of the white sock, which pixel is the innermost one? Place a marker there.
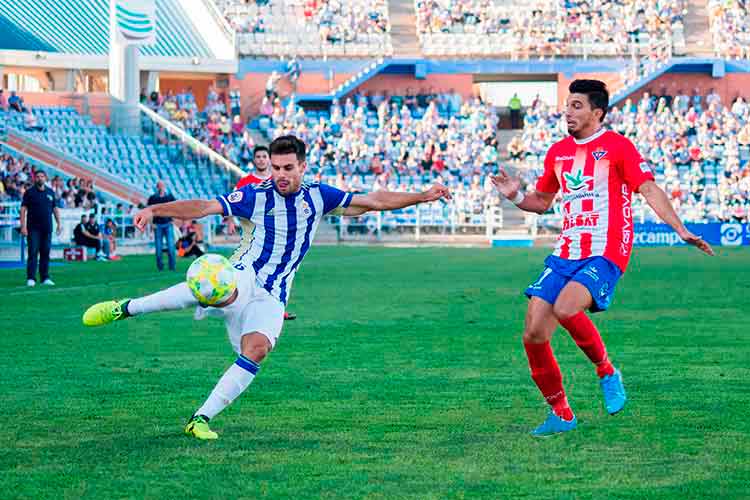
(233, 383)
(175, 297)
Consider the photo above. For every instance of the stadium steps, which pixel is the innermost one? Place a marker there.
(624, 92)
(367, 72)
(404, 29)
(698, 35)
(74, 167)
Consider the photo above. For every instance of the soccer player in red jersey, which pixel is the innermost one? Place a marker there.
(262, 162)
(597, 171)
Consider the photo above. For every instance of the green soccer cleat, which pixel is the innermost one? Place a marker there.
(104, 313)
(198, 428)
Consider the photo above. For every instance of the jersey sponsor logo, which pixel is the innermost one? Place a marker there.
(599, 154)
(235, 196)
(564, 158)
(577, 182)
(580, 195)
(581, 220)
(627, 224)
(270, 212)
(731, 234)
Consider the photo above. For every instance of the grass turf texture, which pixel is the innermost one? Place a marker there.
(404, 377)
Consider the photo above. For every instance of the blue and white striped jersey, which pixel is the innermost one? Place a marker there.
(284, 228)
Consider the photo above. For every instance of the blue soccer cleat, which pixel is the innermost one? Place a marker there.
(554, 425)
(614, 392)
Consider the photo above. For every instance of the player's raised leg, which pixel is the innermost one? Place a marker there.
(569, 309)
(255, 347)
(175, 297)
(540, 325)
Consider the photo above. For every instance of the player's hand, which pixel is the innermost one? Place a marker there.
(697, 241)
(231, 226)
(142, 218)
(437, 192)
(24, 231)
(507, 186)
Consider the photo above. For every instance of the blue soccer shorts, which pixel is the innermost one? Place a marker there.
(597, 274)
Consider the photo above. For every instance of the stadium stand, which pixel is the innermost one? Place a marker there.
(699, 150)
(730, 28)
(17, 174)
(310, 28)
(213, 126)
(545, 28)
(138, 160)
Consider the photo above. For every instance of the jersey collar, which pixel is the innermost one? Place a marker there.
(590, 138)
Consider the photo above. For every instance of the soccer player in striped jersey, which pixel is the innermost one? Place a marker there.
(286, 213)
(597, 171)
(262, 163)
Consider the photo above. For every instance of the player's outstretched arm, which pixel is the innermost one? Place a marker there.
(510, 187)
(183, 209)
(657, 199)
(386, 200)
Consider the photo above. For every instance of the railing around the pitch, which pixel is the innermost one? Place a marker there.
(193, 143)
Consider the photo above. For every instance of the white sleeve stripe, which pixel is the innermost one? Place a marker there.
(227, 206)
(347, 200)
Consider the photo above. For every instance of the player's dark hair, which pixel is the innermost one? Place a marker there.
(595, 90)
(259, 148)
(286, 144)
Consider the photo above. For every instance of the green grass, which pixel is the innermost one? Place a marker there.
(404, 377)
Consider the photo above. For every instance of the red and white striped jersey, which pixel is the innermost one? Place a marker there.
(597, 176)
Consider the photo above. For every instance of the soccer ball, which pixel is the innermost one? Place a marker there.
(211, 279)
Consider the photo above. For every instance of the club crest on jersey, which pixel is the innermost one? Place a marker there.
(576, 182)
(306, 208)
(235, 197)
(599, 154)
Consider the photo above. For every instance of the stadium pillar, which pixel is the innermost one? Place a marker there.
(132, 23)
(124, 83)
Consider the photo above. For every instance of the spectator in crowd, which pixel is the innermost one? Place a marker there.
(515, 111)
(109, 234)
(187, 245)
(37, 208)
(15, 102)
(163, 228)
(3, 101)
(82, 236)
(235, 102)
(94, 230)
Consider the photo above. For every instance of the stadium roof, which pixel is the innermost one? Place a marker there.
(82, 27)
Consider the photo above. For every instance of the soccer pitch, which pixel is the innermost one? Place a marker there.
(404, 377)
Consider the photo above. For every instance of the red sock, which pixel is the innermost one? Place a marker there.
(587, 337)
(546, 373)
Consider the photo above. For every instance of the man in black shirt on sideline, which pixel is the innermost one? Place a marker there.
(37, 208)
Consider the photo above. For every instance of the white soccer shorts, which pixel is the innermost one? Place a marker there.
(255, 310)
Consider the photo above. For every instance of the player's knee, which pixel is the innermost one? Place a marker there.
(256, 347)
(563, 311)
(534, 335)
